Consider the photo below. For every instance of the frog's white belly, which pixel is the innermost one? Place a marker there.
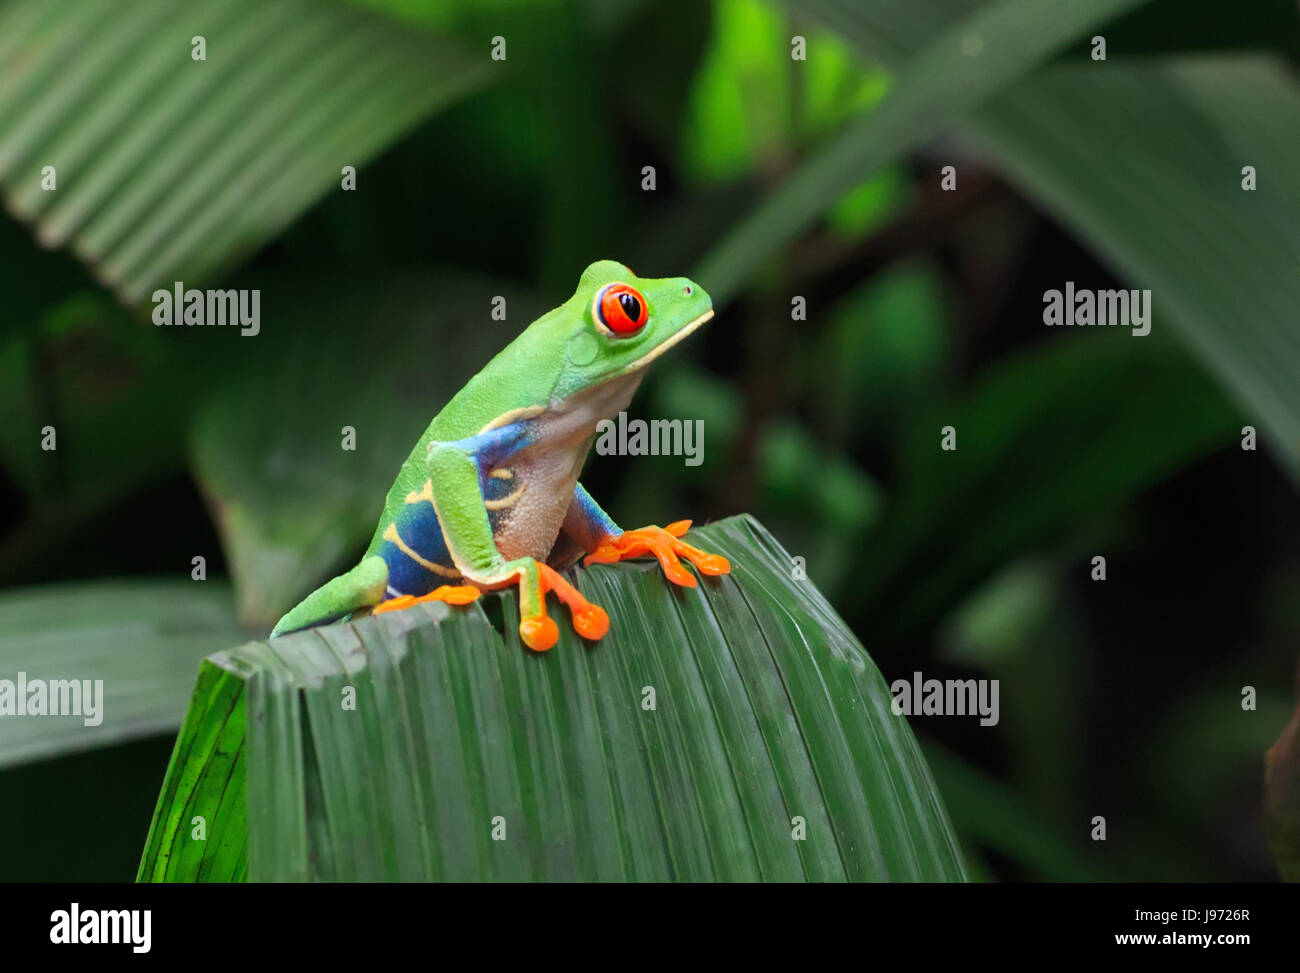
(543, 475)
(542, 488)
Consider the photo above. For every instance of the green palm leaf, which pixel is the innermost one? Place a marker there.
(170, 168)
(767, 717)
(1220, 261)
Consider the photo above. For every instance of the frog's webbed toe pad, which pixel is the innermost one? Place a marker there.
(539, 632)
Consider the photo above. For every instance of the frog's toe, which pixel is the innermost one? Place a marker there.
(452, 594)
(591, 622)
(539, 632)
(393, 604)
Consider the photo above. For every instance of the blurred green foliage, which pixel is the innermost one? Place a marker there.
(775, 178)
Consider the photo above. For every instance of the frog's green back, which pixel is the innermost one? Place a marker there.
(561, 353)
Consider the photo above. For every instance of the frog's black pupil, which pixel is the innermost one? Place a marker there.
(631, 306)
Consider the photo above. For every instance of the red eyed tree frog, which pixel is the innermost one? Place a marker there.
(490, 496)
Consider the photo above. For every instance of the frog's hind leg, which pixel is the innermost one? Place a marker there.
(361, 587)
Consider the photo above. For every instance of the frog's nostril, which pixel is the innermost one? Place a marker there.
(688, 290)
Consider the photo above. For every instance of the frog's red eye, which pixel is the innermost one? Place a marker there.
(621, 308)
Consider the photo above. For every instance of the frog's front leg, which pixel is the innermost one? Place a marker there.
(456, 471)
(607, 543)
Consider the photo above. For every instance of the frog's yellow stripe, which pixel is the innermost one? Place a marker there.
(392, 535)
(424, 493)
(507, 501)
(659, 349)
(514, 415)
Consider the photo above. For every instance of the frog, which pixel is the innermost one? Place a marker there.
(490, 497)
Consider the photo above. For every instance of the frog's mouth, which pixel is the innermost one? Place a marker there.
(663, 346)
(611, 386)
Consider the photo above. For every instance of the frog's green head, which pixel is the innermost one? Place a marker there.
(616, 323)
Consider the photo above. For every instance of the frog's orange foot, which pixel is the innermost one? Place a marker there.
(664, 544)
(458, 594)
(538, 631)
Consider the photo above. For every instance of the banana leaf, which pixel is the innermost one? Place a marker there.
(736, 731)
